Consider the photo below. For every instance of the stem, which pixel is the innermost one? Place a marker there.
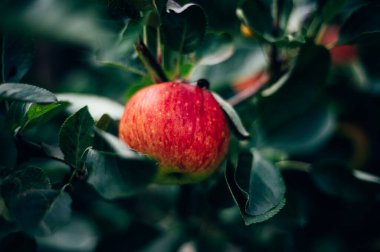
(150, 63)
(122, 67)
(145, 35)
(159, 47)
(294, 165)
(275, 60)
(2, 59)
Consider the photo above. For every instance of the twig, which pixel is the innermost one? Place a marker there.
(151, 64)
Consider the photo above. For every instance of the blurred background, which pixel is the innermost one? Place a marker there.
(320, 128)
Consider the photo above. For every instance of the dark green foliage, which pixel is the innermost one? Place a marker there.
(183, 28)
(256, 186)
(41, 211)
(76, 135)
(114, 177)
(18, 241)
(301, 172)
(233, 117)
(362, 26)
(17, 55)
(25, 93)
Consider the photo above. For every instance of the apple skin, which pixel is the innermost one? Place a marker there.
(340, 54)
(179, 125)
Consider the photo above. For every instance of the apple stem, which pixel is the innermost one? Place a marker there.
(203, 83)
(150, 63)
(275, 60)
(159, 47)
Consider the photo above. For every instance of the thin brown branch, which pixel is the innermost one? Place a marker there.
(151, 64)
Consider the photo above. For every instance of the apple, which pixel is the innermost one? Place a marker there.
(181, 126)
(341, 54)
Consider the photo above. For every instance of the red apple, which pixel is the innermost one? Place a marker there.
(179, 125)
(341, 54)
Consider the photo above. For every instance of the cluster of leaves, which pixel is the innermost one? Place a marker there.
(61, 151)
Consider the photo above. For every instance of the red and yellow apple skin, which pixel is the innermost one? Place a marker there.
(179, 125)
(340, 54)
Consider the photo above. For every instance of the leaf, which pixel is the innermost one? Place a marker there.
(244, 62)
(363, 26)
(17, 114)
(57, 20)
(55, 170)
(76, 135)
(97, 105)
(183, 28)
(331, 8)
(29, 178)
(305, 132)
(8, 153)
(287, 8)
(257, 15)
(233, 117)
(338, 180)
(17, 57)
(256, 186)
(116, 145)
(284, 99)
(18, 241)
(116, 177)
(25, 93)
(121, 53)
(119, 9)
(41, 211)
(215, 49)
(40, 114)
(32, 178)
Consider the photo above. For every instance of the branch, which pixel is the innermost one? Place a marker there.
(150, 63)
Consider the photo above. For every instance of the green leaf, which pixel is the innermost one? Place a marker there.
(29, 178)
(116, 145)
(244, 62)
(40, 114)
(304, 132)
(215, 49)
(76, 135)
(119, 9)
(8, 153)
(17, 57)
(287, 8)
(183, 28)
(296, 91)
(113, 176)
(256, 186)
(121, 53)
(17, 114)
(97, 105)
(18, 241)
(289, 41)
(63, 21)
(331, 8)
(41, 211)
(363, 26)
(338, 180)
(56, 171)
(257, 15)
(25, 93)
(233, 117)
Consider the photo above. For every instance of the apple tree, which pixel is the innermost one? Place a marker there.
(189, 125)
